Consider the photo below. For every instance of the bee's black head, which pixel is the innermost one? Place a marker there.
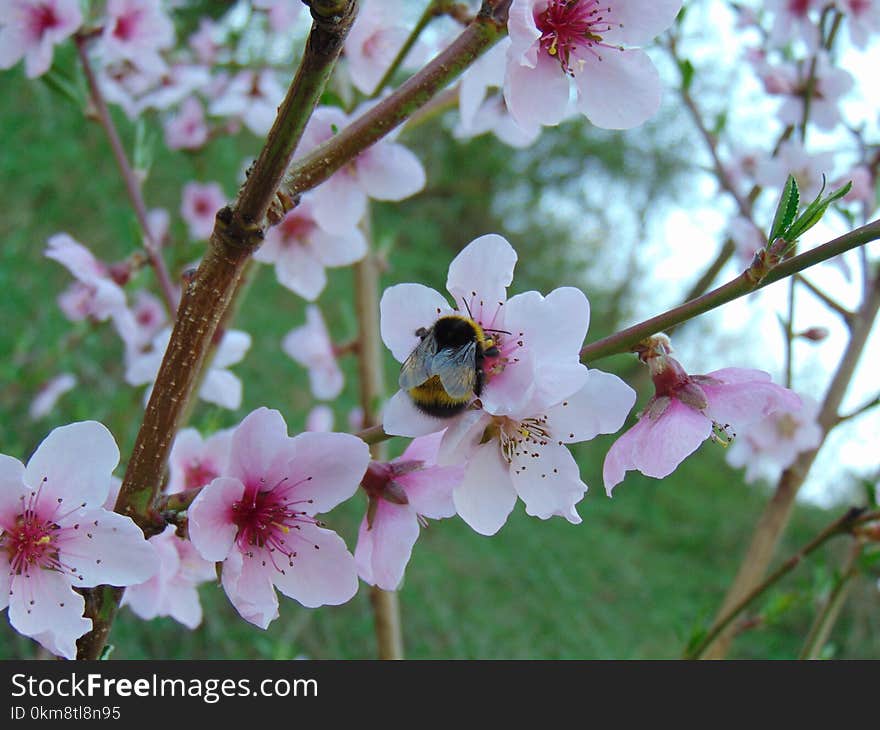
(454, 332)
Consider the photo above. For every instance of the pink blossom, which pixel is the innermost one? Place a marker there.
(686, 410)
(482, 111)
(794, 20)
(538, 338)
(136, 31)
(589, 43)
(44, 402)
(259, 519)
(830, 83)
(300, 247)
(356, 418)
(55, 536)
(140, 324)
(195, 462)
(199, 207)
(282, 13)
(206, 41)
(30, 29)
(524, 455)
(401, 494)
(793, 159)
(863, 186)
(253, 97)
(94, 294)
(373, 43)
(773, 443)
(219, 386)
(320, 419)
(311, 346)
(385, 171)
(187, 128)
(862, 19)
(747, 238)
(172, 590)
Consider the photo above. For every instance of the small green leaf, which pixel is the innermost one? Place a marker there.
(106, 652)
(144, 145)
(814, 211)
(786, 209)
(687, 74)
(63, 85)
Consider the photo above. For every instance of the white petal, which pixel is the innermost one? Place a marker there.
(480, 274)
(334, 464)
(405, 308)
(601, 406)
(338, 249)
(211, 528)
(400, 417)
(636, 22)
(389, 171)
(249, 587)
(537, 96)
(76, 462)
(108, 548)
(485, 497)
(222, 387)
(549, 484)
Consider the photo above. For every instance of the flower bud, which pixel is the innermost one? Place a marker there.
(814, 334)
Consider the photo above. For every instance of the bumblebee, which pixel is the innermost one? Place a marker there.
(445, 370)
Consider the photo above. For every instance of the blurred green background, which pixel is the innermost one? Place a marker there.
(635, 580)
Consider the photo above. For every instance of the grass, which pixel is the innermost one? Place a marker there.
(643, 571)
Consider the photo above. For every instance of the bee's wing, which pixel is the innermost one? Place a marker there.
(457, 369)
(416, 369)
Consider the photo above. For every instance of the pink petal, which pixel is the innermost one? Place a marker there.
(323, 572)
(480, 274)
(5, 577)
(429, 491)
(333, 463)
(620, 92)
(44, 605)
(387, 546)
(401, 418)
(601, 406)
(339, 203)
(248, 585)
(301, 272)
(12, 490)
(233, 347)
(108, 548)
(423, 448)
(211, 528)
(389, 171)
(554, 326)
(636, 22)
(513, 390)
(537, 96)
(338, 249)
(260, 448)
(485, 497)
(222, 388)
(76, 462)
(182, 603)
(656, 447)
(549, 484)
(405, 308)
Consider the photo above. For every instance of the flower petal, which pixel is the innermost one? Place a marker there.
(405, 308)
(549, 484)
(76, 462)
(333, 463)
(429, 491)
(108, 548)
(211, 528)
(223, 388)
(480, 274)
(248, 585)
(387, 546)
(323, 571)
(400, 417)
(601, 406)
(485, 497)
(636, 22)
(259, 448)
(539, 95)
(389, 171)
(12, 491)
(338, 249)
(620, 92)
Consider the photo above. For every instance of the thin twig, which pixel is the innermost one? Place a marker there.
(832, 304)
(132, 185)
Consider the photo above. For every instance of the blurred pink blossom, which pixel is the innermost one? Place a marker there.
(373, 42)
(300, 247)
(259, 519)
(172, 590)
(194, 461)
(320, 419)
(747, 238)
(282, 13)
(30, 29)
(187, 129)
(136, 31)
(199, 207)
(793, 159)
(252, 97)
(55, 535)
(310, 345)
(862, 19)
(44, 402)
(794, 20)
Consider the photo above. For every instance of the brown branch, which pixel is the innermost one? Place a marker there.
(237, 233)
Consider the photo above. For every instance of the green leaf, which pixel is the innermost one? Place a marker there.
(687, 74)
(144, 145)
(814, 211)
(63, 85)
(786, 210)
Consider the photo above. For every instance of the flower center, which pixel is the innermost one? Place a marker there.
(42, 18)
(522, 438)
(569, 27)
(296, 228)
(198, 474)
(126, 25)
(266, 521)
